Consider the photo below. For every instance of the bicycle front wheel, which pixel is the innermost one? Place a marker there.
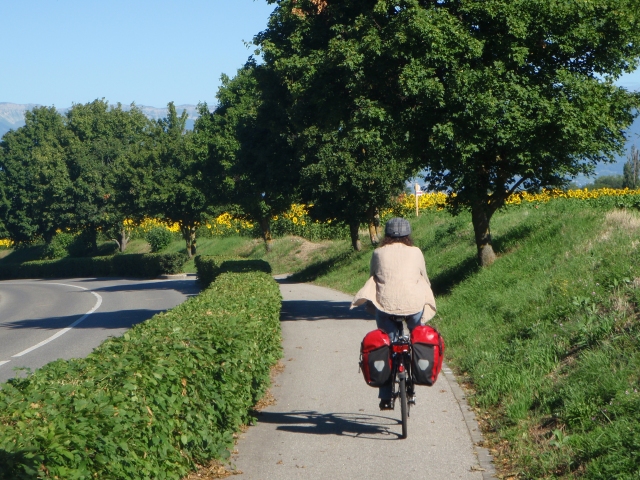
(403, 405)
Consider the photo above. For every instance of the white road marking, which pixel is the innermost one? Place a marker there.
(64, 330)
(4, 361)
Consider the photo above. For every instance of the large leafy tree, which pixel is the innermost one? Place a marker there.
(250, 163)
(344, 128)
(36, 190)
(491, 97)
(176, 170)
(527, 102)
(104, 163)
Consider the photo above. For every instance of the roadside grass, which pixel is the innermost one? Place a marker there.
(546, 339)
(288, 254)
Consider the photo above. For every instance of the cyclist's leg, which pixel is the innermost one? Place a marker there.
(384, 322)
(413, 320)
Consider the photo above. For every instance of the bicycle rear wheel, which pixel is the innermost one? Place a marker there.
(403, 406)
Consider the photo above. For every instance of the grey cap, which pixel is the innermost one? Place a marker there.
(397, 227)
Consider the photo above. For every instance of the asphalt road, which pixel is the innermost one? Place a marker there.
(326, 422)
(43, 320)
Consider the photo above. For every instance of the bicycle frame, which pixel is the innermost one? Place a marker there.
(400, 364)
(401, 373)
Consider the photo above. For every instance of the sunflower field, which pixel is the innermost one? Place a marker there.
(297, 221)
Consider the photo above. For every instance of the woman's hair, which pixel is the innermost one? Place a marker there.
(406, 240)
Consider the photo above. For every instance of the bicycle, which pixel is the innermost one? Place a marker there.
(401, 374)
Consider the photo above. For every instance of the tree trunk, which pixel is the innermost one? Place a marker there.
(355, 237)
(374, 222)
(480, 217)
(265, 229)
(193, 242)
(189, 235)
(124, 240)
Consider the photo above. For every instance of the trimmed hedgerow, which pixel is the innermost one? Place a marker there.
(166, 395)
(137, 265)
(209, 267)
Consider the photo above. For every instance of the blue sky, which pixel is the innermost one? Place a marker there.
(59, 52)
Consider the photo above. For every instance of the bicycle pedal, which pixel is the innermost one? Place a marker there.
(411, 400)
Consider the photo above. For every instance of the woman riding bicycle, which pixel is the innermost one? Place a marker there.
(398, 287)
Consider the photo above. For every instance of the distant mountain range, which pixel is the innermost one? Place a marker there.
(12, 114)
(12, 117)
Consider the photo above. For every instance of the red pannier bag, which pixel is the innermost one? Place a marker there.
(427, 346)
(375, 358)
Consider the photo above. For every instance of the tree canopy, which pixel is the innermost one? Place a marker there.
(36, 187)
(488, 96)
(343, 126)
(176, 171)
(105, 145)
(250, 163)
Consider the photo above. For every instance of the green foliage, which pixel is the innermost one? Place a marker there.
(104, 145)
(631, 169)
(606, 181)
(65, 244)
(249, 161)
(340, 114)
(59, 245)
(159, 238)
(167, 395)
(309, 229)
(84, 171)
(178, 194)
(134, 265)
(209, 268)
(35, 186)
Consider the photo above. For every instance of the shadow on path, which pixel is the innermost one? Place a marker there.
(320, 310)
(357, 425)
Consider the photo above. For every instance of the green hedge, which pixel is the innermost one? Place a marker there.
(209, 267)
(168, 394)
(135, 265)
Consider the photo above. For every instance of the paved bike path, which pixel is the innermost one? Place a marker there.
(326, 422)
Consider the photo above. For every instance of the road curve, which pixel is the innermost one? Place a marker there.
(43, 320)
(326, 422)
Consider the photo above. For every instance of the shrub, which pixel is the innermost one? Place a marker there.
(209, 267)
(159, 238)
(167, 395)
(59, 246)
(135, 265)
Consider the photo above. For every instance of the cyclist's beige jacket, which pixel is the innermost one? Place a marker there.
(398, 284)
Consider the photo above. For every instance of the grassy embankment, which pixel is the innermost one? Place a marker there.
(546, 339)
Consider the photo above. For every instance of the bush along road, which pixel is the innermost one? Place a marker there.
(153, 403)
